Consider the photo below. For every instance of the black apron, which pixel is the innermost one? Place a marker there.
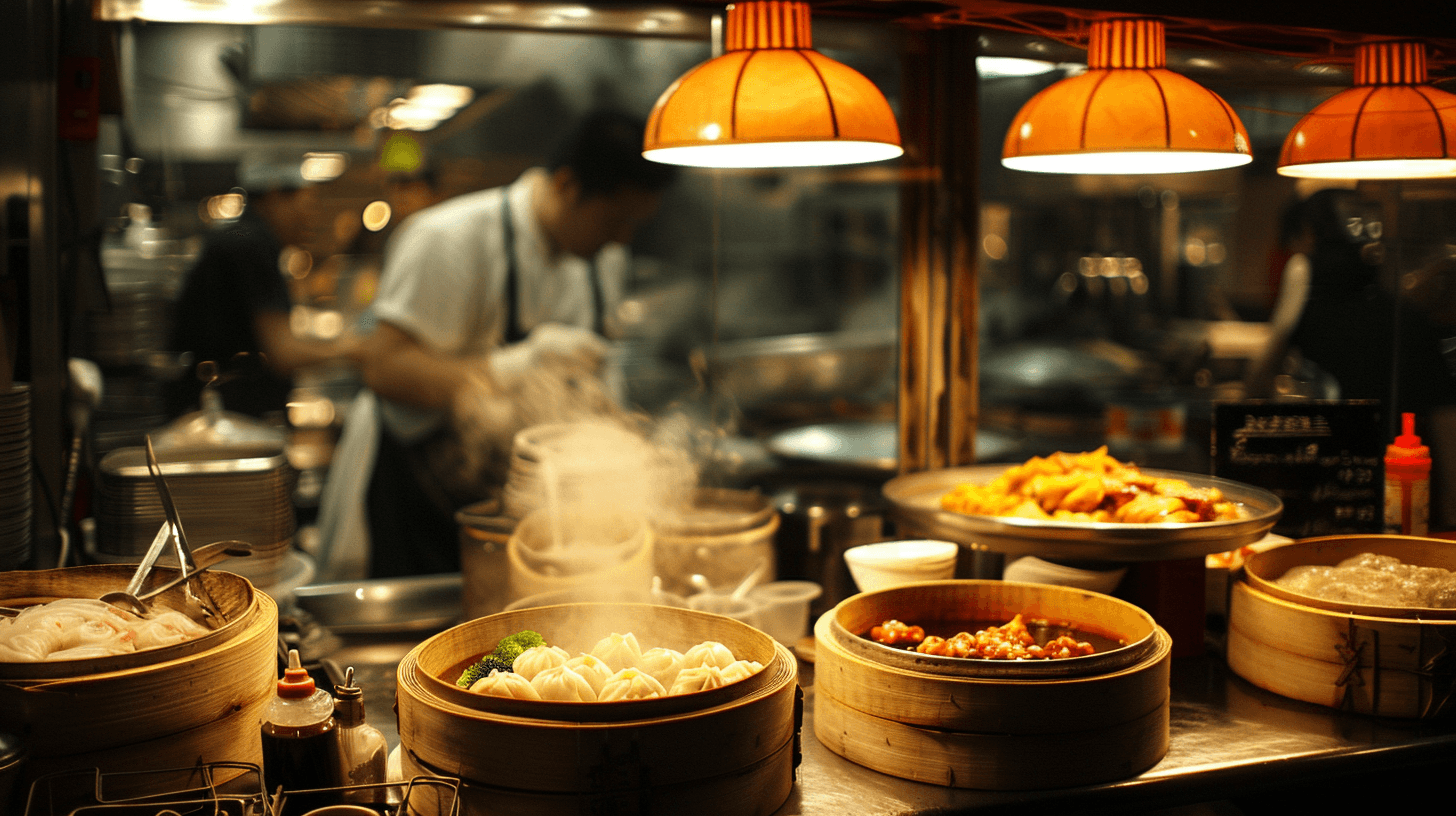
(410, 509)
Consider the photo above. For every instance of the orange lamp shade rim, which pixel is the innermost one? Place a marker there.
(1128, 110)
(771, 97)
(1386, 123)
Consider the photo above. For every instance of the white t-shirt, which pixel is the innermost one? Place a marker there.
(444, 281)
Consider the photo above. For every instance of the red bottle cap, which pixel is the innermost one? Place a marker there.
(296, 683)
(1407, 446)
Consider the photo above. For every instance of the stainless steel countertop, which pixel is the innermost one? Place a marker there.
(1226, 737)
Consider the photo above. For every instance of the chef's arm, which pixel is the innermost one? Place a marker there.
(399, 368)
(286, 352)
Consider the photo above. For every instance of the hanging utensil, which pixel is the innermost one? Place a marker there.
(196, 590)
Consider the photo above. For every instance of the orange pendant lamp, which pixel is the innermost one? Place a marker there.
(1126, 114)
(1390, 125)
(771, 101)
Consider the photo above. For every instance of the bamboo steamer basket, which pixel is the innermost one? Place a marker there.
(599, 548)
(730, 750)
(167, 707)
(1385, 661)
(995, 730)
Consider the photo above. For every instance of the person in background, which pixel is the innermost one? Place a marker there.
(234, 299)
(492, 312)
(1349, 324)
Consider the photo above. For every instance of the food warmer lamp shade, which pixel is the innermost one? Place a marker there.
(1391, 124)
(771, 100)
(1127, 114)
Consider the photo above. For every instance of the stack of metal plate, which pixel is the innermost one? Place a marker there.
(15, 479)
(248, 499)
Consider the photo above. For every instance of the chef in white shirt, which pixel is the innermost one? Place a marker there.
(493, 312)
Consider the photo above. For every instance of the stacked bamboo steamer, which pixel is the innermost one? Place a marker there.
(997, 725)
(170, 707)
(1381, 660)
(731, 750)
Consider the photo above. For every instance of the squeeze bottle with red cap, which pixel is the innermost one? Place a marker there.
(300, 740)
(1407, 482)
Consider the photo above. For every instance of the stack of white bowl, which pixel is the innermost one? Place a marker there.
(891, 563)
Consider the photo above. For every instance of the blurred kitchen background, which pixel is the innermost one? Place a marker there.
(763, 307)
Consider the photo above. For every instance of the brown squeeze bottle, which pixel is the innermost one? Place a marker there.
(300, 742)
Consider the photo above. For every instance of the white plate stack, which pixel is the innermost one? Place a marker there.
(15, 477)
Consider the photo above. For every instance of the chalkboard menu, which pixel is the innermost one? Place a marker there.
(1323, 459)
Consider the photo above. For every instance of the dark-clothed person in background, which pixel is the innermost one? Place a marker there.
(1350, 325)
(235, 299)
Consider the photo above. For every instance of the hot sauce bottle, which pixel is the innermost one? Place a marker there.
(1407, 482)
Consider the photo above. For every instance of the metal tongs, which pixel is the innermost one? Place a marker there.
(171, 529)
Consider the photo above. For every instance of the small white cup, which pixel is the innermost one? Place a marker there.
(784, 608)
(891, 563)
(743, 609)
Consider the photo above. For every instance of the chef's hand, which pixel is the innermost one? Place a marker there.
(551, 344)
(571, 346)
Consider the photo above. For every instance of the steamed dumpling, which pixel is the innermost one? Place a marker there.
(537, 659)
(663, 664)
(708, 653)
(592, 669)
(631, 684)
(562, 684)
(505, 684)
(698, 678)
(618, 651)
(740, 670)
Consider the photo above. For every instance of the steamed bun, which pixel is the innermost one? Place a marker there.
(563, 684)
(663, 664)
(592, 669)
(708, 653)
(631, 684)
(698, 678)
(618, 651)
(537, 659)
(505, 684)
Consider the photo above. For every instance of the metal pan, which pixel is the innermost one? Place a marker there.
(386, 605)
(915, 503)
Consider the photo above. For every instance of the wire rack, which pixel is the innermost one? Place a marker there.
(223, 789)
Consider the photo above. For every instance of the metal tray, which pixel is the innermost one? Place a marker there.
(385, 605)
(915, 504)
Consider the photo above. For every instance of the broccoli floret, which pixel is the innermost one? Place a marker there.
(481, 668)
(511, 646)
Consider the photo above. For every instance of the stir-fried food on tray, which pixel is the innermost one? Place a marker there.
(1090, 486)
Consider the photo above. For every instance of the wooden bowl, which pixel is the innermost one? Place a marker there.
(1088, 612)
(173, 706)
(539, 757)
(22, 588)
(989, 731)
(1263, 569)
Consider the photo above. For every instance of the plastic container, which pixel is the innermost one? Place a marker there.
(1407, 482)
(784, 608)
(300, 741)
(363, 751)
(891, 563)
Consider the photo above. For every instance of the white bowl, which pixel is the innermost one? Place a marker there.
(1033, 570)
(783, 610)
(891, 563)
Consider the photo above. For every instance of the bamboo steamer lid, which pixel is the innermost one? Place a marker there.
(986, 732)
(164, 707)
(550, 757)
